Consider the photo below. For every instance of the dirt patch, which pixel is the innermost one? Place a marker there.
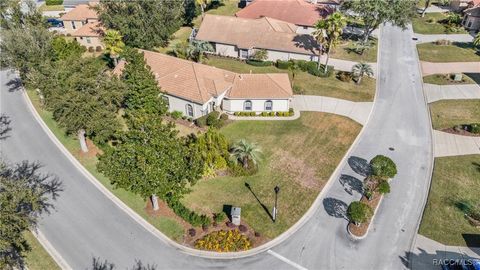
(93, 150)
(460, 132)
(295, 168)
(362, 229)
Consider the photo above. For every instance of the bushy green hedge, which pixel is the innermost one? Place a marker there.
(265, 114)
(258, 63)
(310, 67)
(186, 214)
(474, 128)
(212, 120)
(359, 212)
(284, 64)
(53, 2)
(383, 166)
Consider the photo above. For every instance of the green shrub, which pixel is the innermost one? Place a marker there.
(53, 2)
(176, 114)
(264, 113)
(284, 64)
(237, 170)
(359, 212)
(212, 119)
(384, 187)
(236, 113)
(474, 128)
(201, 121)
(224, 117)
(291, 112)
(91, 49)
(383, 166)
(186, 214)
(330, 71)
(258, 63)
(253, 113)
(98, 48)
(184, 117)
(298, 90)
(219, 217)
(271, 114)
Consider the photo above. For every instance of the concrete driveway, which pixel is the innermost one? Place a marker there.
(429, 68)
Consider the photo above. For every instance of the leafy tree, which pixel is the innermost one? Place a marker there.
(150, 160)
(383, 187)
(183, 50)
(359, 212)
(453, 18)
(383, 166)
(203, 5)
(63, 49)
(260, 55)
(330, 30)
(144, 24)
(212, 147)
(375, 12)
(361, 69)
(12, 15)
(113, 44)
(190, 11)
(25, 194)
(245, 152)
(143, 93)
(199, 48)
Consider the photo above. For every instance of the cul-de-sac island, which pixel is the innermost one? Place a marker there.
(240, 134)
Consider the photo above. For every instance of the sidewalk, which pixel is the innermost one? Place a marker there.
(447, 144)
(427, 253)
(435, 92)
(429, 68)
(435, 9)
(357, 111)
(451, 37)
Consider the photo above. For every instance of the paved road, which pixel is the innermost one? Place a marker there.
(87, 224)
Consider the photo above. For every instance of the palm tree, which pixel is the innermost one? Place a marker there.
(294, 69)
(321, 37)
(183, 50)
(244, 152)
(199, 48)
(361, 69)
(328, 31)
(113, 44)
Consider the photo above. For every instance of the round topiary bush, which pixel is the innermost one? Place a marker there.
(359, 212)
(192, 232)
(384, 187)
(383, 166)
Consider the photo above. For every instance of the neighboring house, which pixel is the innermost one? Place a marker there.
(471, 18)
(241, 37)
(459, 5)
(196, 89)
(83, 24)
(303, 13)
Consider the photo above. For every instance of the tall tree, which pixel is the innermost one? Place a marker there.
(203, 5)
(113, 44)
(199, 48)
(427, 4)
(375, 12)
(25, 194)
(361, 69)
(245, 152)
(151, 160)
(190, 11)
(332, 27)
(63, 48)
(144, 24)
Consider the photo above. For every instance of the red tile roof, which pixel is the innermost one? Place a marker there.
(81, 12)
(299, 12)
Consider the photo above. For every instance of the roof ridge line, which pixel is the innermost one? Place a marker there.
(196, 79)
(283, 89)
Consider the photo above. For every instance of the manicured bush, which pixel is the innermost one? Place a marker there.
(258, 63)
(383, 166)
(284, 64)
(253, 114)
(201, 121)
(271, 114)
(264, 113)
(359, 212)
(224, 117)
(192, 232)
(186, 214)
(212, 119)
(176, 114)
(383, 187)
(224, 241)
(242, 228)
(91, 49)
(236, 113)
(474, 128)
(53, 2)
(219, 217)
(291, 112)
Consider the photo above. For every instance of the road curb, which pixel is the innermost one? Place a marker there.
(51, 250)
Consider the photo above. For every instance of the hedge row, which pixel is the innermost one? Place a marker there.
(308, 66)
(259, 63)
(265, 114)
(213, 119)
(53, 2)
(186, 214)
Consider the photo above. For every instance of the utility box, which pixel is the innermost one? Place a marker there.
(235, 214)
(458, 77)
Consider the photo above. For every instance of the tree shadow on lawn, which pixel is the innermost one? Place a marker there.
(472, 241)
(335, 208)
(360, 166)
(247, 185)
(351, 184)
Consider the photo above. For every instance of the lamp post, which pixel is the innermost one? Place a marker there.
(276, 189)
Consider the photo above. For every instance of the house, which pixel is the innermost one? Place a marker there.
(83, 24)
(459, 5)
(241, 37)
(302, 13)
(471, 18)
(196, 89)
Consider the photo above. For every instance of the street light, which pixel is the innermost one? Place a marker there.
(276, 189)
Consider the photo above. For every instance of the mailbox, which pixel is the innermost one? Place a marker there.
(235, 214)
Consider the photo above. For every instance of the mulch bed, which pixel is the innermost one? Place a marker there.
(93, 150)
(460, 132)
(361, 230)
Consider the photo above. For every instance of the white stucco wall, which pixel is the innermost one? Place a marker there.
(226, 50)
(258, 105)
(304, 29)
(94, 42)
(178, 104)
(475, 22)
(279, 55)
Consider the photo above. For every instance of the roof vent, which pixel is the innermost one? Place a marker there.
(176, 76)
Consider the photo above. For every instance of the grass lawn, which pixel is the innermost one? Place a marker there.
(44, 7)
(424, 26)
(331, 86)
(454, 178)
(457, 52)
(449, 113)
(344, 51)
(299, 156)
(38, 258)
(445, 79)
(168, 226)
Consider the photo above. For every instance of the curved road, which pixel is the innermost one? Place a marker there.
(87, 224)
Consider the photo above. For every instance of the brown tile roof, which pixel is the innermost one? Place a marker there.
(198, 83)
(264, 33)
(91, 29)
(299, 12)
(81, 12)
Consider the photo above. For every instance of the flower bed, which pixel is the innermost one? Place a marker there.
(266, 114)
(224, 241)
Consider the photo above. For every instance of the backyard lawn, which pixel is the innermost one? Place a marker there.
(444, 79)
(38, 258)
(430, 24)
(311, 85)
(457, 52)
(299, 156)
(454, 179)
(449, 113)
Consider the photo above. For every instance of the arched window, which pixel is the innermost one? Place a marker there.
(268, 105)
(189, 109)
(247, 105)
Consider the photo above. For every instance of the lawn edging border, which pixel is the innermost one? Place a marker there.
(50, 249)
(187, 250)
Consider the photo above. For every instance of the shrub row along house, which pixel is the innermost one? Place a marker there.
(83, 24)
(196, 89)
